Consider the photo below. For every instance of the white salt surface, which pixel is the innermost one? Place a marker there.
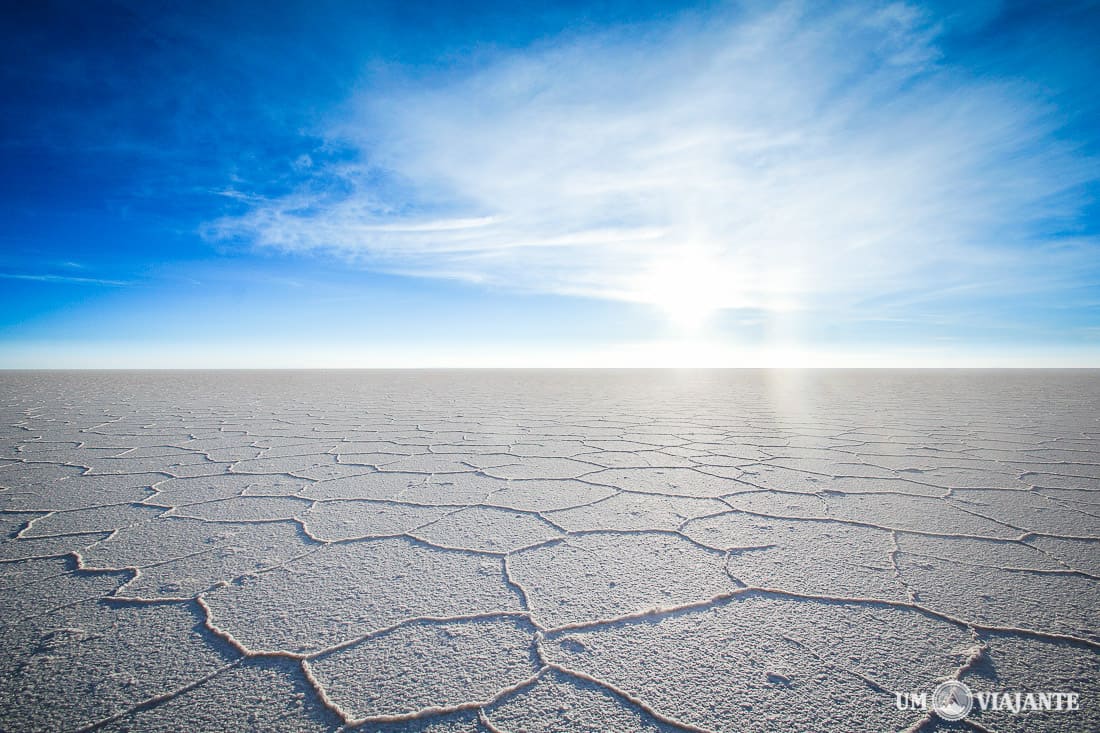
(544, 551)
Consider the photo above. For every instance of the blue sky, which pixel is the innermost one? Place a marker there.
(558, 184)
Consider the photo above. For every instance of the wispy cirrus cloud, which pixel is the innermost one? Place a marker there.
(780, 159)
(46, 277)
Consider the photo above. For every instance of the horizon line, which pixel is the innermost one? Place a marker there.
(853, 367)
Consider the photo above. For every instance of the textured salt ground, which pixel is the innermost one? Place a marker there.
(544, 551)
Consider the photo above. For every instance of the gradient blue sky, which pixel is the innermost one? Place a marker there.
(524, 184)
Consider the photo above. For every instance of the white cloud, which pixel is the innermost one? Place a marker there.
(780, 160)
(52, 278)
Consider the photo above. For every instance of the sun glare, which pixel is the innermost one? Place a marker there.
(687, 291)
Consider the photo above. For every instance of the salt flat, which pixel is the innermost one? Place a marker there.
(545, 551)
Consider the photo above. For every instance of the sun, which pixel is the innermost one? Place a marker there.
(687, 290)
